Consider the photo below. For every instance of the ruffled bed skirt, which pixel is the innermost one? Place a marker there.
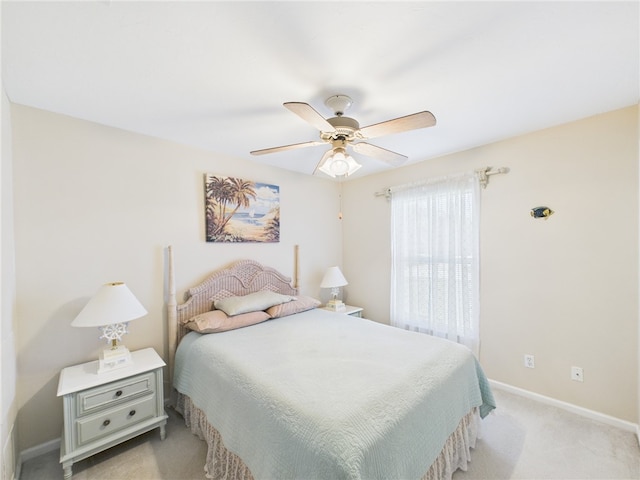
(221, 464)
(457, 449)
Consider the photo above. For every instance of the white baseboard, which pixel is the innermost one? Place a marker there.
(585, 412)
(41, 449)
(33, 452)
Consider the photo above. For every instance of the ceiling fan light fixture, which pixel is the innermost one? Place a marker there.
(353, 165)
(339, 153)
(339, 164)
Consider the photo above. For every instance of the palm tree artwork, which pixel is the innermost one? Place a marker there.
(239, 210)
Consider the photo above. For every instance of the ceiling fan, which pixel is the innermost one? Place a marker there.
(344, 133)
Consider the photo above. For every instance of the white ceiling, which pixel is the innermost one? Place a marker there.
(214, 75)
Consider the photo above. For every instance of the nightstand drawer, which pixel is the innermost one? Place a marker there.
(94, 399)
(111, 421)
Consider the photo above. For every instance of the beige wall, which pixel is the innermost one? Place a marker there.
(95, 204)
(565, 289)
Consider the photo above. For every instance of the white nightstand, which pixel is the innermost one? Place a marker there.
(349, 310)
(102, 410)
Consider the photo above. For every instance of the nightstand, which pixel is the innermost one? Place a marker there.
(349, 310)
(103, 410)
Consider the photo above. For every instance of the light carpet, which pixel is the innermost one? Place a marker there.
(522, 439)
(526, 439)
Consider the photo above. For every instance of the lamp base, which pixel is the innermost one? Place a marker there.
(114, 358)
(336, 305)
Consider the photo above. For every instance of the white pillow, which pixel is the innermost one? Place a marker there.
(252, 302)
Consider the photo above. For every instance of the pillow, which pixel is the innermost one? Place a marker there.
(301, 304)
(217, 321)
(250, 303)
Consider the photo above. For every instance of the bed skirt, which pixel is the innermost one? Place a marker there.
(221, 464)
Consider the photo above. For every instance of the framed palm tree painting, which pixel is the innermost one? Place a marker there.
(239, 210)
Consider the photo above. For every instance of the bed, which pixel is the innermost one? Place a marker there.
(312, 394)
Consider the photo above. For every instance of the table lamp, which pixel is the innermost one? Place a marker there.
(111, 309)
(334, 279)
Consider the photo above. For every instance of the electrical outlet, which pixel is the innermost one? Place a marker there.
(529, 361)
(577, 374)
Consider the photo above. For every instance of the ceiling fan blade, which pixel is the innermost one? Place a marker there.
(309, 115)
(380, 153)
(286, 147)
(397, 125)
(324, 157)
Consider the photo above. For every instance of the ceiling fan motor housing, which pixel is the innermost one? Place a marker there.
(344, 127)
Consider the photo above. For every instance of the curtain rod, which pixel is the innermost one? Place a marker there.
(483, 178)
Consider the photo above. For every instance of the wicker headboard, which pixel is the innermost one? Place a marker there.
(240, 278)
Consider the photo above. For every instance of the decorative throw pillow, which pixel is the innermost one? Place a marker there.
(217, 321)
(252, 302)
(301, 304)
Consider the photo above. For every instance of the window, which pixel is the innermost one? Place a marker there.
(435, 258)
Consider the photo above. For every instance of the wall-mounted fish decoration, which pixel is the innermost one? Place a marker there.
(541, 212)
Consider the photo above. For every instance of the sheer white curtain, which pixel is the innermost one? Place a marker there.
(435, 242)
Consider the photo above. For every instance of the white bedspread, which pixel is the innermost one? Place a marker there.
(320, 395)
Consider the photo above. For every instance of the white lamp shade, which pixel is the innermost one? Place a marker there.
(333, 278)
(113, 303)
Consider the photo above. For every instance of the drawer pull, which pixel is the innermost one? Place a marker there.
(132, 413)
(106, 423)
(118, 393)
